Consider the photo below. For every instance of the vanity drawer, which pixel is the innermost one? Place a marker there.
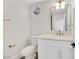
(56, 43)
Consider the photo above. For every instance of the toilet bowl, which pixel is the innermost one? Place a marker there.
(28, 52)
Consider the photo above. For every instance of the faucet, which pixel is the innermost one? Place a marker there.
(59, 33)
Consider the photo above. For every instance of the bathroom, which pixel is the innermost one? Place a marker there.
(27, 22)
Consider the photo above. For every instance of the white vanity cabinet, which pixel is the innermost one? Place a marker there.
(52, 49)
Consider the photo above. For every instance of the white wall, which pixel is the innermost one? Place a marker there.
(40, 23)
(16, 31)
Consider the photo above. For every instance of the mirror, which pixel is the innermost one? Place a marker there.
(60, 18)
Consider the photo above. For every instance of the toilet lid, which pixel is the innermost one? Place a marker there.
(28, 49)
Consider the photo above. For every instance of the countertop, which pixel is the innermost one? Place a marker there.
(53, 36)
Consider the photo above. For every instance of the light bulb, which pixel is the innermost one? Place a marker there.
(57, 5)
(63, 5)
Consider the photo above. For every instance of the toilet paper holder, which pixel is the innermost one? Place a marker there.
(10, 46)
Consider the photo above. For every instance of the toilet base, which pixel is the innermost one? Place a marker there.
(32, 56)
(23, 57)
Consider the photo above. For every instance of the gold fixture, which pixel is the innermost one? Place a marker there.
(60, 1)
(60, 33)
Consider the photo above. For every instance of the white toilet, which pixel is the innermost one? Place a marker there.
(28, 52)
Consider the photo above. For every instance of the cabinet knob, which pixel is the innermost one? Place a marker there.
(73, 45)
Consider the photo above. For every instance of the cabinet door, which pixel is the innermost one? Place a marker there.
(52, 52)
(42, 52)
(42, 49)
(59, 52)
(67, 53)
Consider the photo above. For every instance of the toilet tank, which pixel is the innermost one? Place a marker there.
(34, 42)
